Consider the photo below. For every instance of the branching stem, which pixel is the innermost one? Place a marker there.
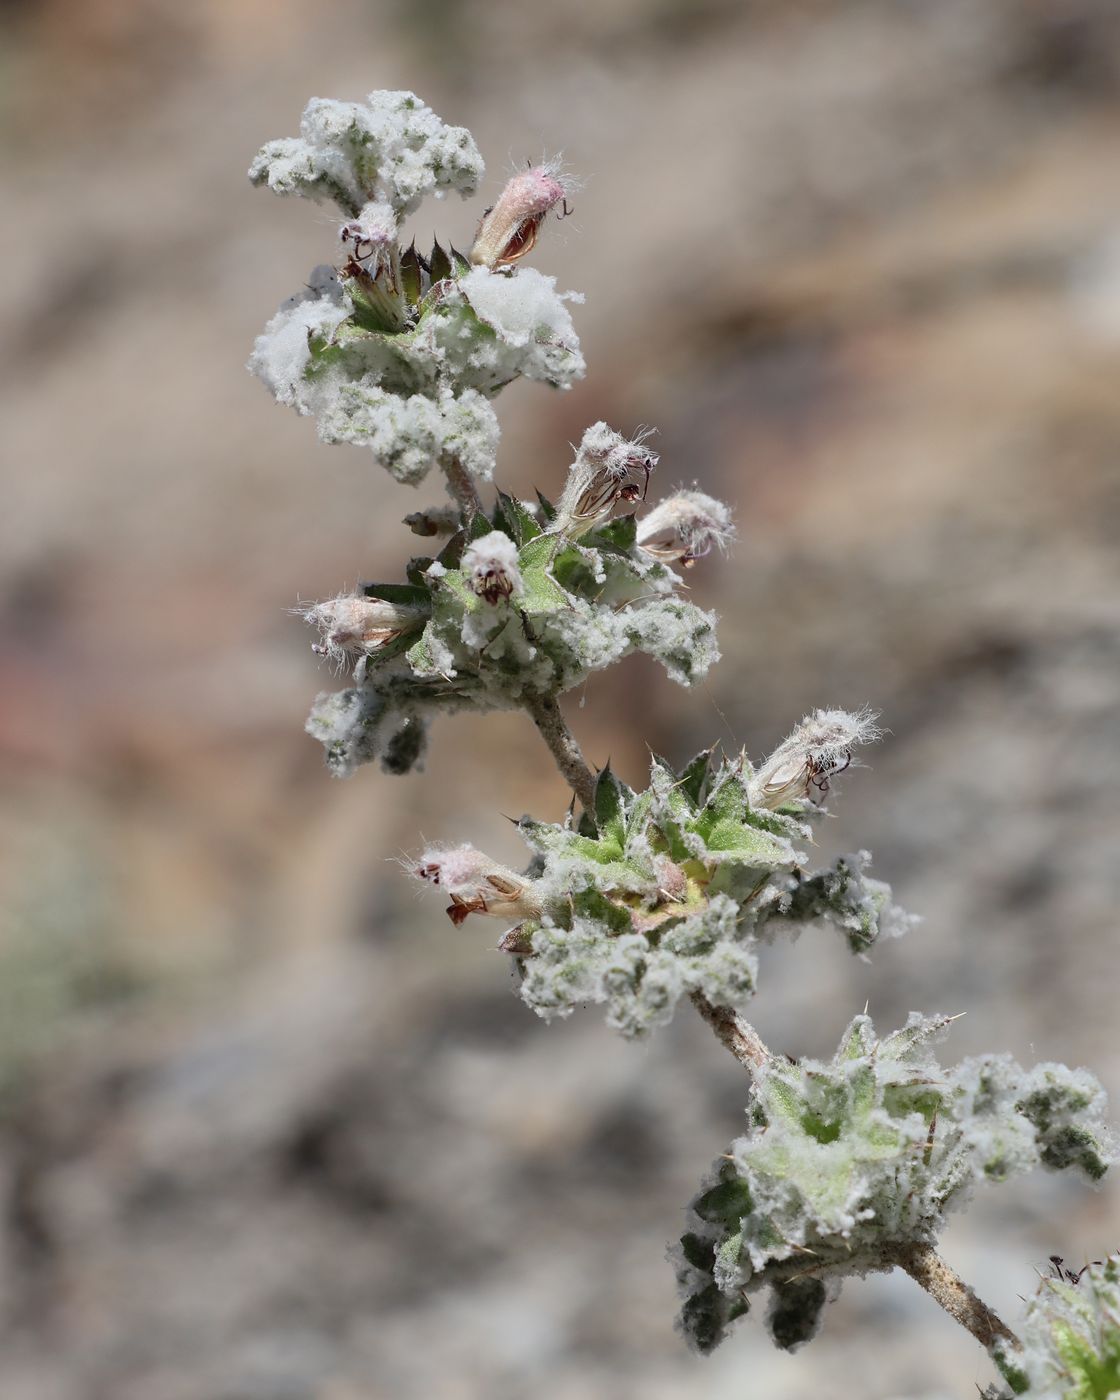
(924, 1265)
(738, 1035)
(461, 485)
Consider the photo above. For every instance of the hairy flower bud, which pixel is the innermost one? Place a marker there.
(608, 468)
(490, 564)
(355, 625)
(684, 527)
(476, 884)
(818, 748)
(509, 227)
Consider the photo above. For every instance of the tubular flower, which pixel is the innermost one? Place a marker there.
(490, 565)
(355, 625)
(476, 884)
(818, 748)
(509, 228)
(608, 468)
(684, 527)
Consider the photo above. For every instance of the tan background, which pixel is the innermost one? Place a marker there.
(271, 1129)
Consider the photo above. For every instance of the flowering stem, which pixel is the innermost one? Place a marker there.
(949, 1291)
(738, 1035)
(920, 1261)
(462, 487)
(564, 748)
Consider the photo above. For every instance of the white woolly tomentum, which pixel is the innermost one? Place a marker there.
(392, 148)
(846, 1163)
(399, 352)
(685, 527)
(646, 897)
(668, 892)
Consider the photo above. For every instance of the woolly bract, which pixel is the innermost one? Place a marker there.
(569, 610)
(392, 147)
(847, 1160)
(669, 891)
(417, 396)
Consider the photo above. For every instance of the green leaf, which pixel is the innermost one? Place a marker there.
(439, 263)
(725, 1203)
(540, 592)
(574, 570)
(617, 536)
(453, 585)
(610, 797)
(408, 595)
(548, 510)
(421, 655)
(594, 905)
(451, 555)
(478, 526)
(694, 776)
(698, 1252)
(413, 270)
(638, 818)
(376, 306)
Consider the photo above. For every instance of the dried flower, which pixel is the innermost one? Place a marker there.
(476, 884)
(435, 520)
(355, 625)
(684, 527)
(818, 748)
(608, 468)
(373, 234)
(509, 227)
(490, 564)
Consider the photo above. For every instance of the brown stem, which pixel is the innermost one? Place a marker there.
(949, 1291)
(461, 485)
(564, 748)
(738, 1035)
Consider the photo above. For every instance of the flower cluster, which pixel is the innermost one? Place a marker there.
(511, 607)
(397, 351)
(847, 1162)
(648, 896)
(668, 892)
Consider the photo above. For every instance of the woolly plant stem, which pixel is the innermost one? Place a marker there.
(564, 747)
(732, 1030)
(738, 1035)
(924, 1265)
(461, 486)
(950, 1292)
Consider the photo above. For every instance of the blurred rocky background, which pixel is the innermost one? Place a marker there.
(270, 1129)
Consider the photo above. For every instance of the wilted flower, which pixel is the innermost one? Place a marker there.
(354, 624)
(476, 884)
(490, 564)
(373, 234)
(435, 520)
(818, 748)
(684, 527)
(509, 227)
(608, 468)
